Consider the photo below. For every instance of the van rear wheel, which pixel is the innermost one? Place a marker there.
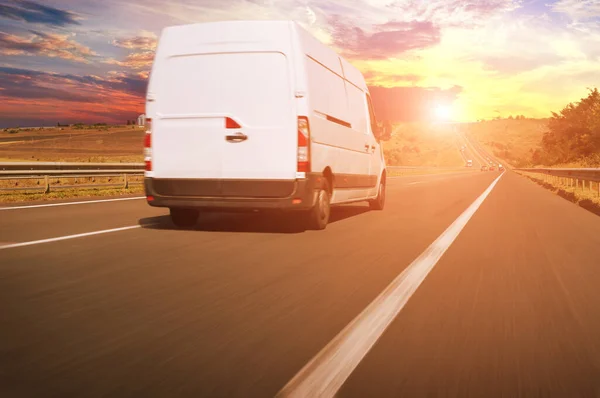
(184, 218)
(379, 202)
(318, 216)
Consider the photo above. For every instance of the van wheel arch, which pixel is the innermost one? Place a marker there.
(328, 175)
(379, 202)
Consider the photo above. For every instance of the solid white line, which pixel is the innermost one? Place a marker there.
(328, 370)
(70, 203)
(37, 242)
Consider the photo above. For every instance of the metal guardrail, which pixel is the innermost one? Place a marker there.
(587, 174)
(46, 170)
(50, 170)
(68, 166)
(568, 177)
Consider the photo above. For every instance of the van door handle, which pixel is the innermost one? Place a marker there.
(237, 137)
(373, 148)
(367, 146)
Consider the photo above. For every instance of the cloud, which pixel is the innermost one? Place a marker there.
(379, 79)
(30, 84)
(463, 13)
(45, 44)
(135, 60)
(30, 11)
(578, 9)
(520, 63)
(26, 85)
(42, 96)
(387, 41)
(146, 43)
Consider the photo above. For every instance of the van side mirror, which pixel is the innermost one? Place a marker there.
(384, 132)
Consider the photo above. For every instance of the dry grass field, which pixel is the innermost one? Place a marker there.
(103, 144)
(421, 144)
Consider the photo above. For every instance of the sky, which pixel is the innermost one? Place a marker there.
(88, 60)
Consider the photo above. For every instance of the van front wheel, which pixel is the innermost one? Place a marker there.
(379, 202)
(318, 216)
(184, 218)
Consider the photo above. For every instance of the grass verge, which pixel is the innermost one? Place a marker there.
(587, 197)
(81, 193)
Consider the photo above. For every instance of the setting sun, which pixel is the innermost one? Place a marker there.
(443, 112)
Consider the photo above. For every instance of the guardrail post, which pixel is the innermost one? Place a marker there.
(46, 184)
(125, 182)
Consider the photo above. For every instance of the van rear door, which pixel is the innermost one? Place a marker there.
(201, 99)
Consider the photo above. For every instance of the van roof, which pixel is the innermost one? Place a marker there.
(263, 31)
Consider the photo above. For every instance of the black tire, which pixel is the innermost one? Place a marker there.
(379, 202)
(318, 216)
(184, 218)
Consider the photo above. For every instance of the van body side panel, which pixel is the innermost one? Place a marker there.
(335, 141)
(353, 75)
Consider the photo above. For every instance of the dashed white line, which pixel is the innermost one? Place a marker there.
(330, 368)
(70, 203)
(37, 242)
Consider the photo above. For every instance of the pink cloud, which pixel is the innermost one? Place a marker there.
(45, 44)
(137, 43)
(386, 41)
(135, 60)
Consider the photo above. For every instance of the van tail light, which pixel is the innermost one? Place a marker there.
(148, 145)
(303, 145)
(231, 124)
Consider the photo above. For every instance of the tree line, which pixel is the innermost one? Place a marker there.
(573, 134)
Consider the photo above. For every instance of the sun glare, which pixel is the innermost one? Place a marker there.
(443, 112)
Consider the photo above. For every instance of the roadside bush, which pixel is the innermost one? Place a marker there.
(573, 134)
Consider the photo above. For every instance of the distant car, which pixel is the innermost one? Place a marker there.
(492, 168)
(469, 163)
(500, 167)
(484, 168)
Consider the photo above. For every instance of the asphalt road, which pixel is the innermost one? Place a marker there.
(469, 152)
(239, 305)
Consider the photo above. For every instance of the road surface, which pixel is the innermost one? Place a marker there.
(240, 305)
(468, 152)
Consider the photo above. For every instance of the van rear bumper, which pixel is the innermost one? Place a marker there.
(208, 194)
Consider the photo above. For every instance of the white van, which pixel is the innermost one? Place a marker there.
(258, 115)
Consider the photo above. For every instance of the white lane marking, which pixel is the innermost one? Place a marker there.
(37, 242)
(70, 203)
(416, 182)
(328, 370)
